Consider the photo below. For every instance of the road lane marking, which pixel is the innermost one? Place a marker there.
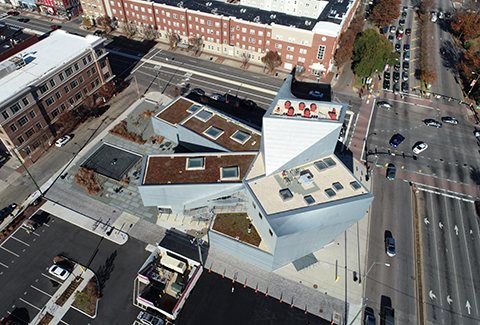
(9, 251)
(32, 305)
(39, 290)
(21, 241)
(209, 76)
(4, 265)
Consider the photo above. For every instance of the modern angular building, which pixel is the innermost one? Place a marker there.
(297, 194)
(42, 82)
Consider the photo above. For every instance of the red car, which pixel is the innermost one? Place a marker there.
(55, 27)
(13, 13)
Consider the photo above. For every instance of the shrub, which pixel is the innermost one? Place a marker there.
(86, 178)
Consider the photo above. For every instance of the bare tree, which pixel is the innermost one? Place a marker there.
(107, 90)
(245, 58)
(148, 33)
(129, 29)
(105, 22)
(173, 39)
(196, 44)
(272, 60)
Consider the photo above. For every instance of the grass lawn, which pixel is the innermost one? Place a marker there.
(236, 225)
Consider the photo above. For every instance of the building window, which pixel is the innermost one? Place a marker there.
(84, 61)
(89, 73)
(25, 101)
(195, 163)
(69, 71)
(43, 88)
(13, 127)
(260, 215)
(5, 114)
(106, 75)
(22, 121)
(89, 57)
(32, 114)
(60, 75)
(71, 101)
(94, 70)
(39, 125)
(49, 101)
(30, 132)
(270, 232)
(15, 108)
(81, 79)
(27, 150)
(85, 90)
(92, 84)
(52, 82)
(97, 82)
(74, 83)
(20, 139)
(57, 95)
(62, 106)
(55, 112)
(103, 64)
(78, 95)
(66, 89)
(321, 52)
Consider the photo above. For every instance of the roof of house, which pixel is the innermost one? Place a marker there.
(322, 180)
(192, 169)
(333, 12)
(10, 34)
(43, 57)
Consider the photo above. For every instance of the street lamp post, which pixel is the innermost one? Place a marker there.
(473, 83)
(360, 282)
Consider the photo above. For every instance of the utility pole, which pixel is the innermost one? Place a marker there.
(29, 175)
(136, 83)
(199, 249)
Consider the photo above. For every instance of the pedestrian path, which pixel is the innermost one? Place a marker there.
(58, 311)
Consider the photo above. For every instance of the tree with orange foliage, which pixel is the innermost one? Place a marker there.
(385, 12)
(465, 25)
(272, 60)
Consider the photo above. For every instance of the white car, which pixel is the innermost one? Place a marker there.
(149, 319)
(419, 147)
(63, 141)
(59, 272)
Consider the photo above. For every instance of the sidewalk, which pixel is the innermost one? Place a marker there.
(58, 311)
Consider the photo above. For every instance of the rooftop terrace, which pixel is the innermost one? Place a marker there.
(320, 181)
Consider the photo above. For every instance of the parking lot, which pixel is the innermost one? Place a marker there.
(25, 259)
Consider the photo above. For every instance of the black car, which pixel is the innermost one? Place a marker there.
(386, 84)
(432, 122)
(384, 104)
(402, 22)
(404, 14)
(397, 67)
(391, 171)
(396, 89)
(98, 32)
(449, 120)
(408, 31)
(5, 212)
(391, 38)
(406, 66)
(386, 75)
(248, 103)
(397, 46)
(197, 91)
(13, 13)
(405, 87)
(23, 20)
(405, 76)
(55, 27)
(396, 140)
(396, 76)
(406, 47)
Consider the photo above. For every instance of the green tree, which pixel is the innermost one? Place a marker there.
(371, 52)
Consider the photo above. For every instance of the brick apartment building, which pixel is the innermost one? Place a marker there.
(305, 38)
(42, 82)
(64, 9)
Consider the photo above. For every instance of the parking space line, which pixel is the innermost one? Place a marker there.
(4, 265)
(50, 278)
(62, 321)
(39, 290)
(20, 241)
(32, 305)
(9, 251)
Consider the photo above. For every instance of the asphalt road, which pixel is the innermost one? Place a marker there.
(449, 155)
(25, 260)
(451, 246)
(391, 215)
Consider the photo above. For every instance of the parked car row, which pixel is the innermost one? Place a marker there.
(223, 98)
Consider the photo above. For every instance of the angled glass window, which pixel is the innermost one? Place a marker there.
(337, 186)
(204, 115)
(230, 173)
(309, 199)
(320, 165)
(330, 192)
(194, 108)
(240, 136)
(195, 163)
(355, 185)
(213, 132)
(286, 194)
(330, 162)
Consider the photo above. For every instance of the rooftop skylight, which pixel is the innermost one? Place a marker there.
(204, 115)
(330, 162)
(330, 192)
(320, 165)
(195, 163)
(230, 173)
(240, 136)
(309, 199)
(337, 186)
(213, 132)
(355, 185)
(194, 108)
(286, 194)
